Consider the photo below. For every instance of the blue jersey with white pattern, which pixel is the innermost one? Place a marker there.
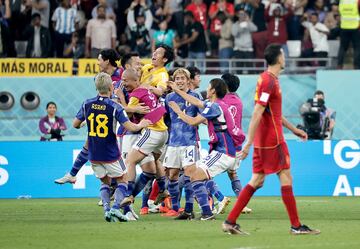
(181, 133)
(214, 113)
(101, 115)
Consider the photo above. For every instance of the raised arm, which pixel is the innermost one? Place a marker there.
(193, 121)
(191, 99)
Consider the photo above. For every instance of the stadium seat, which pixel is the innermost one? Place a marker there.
(294, 48)
(20, 47)
(333, 48)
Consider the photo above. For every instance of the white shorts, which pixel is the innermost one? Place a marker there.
(163, 154)
(151, 141)
(216, 163)
(128, 142)
(180, 157)
(113, 170)
(237, 162)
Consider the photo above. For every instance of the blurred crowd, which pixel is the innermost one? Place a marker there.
(194, 28)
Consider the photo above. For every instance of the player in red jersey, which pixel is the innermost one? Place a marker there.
(270, 150)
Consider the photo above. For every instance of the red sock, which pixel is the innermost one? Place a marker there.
(154, 191)
(290, 204)
(241, 202)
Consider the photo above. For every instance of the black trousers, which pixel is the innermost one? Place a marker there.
(347, 36)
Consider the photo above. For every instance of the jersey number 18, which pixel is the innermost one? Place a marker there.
(98, 125)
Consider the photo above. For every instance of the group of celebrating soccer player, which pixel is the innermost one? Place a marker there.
(156, 117)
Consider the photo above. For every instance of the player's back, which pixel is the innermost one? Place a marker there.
(101, 122)
(235, 107)
(181, 133)
(268, 94)
(220, 138)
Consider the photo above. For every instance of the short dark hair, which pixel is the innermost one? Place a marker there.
(232, 81)
(168, 54)
(111, 55)
(219, 86)
(193, 71)
(35, 15)
(315, 14)
(127, 57)
(319, 92)
(272, 53)
(189, 14)
(50, 103)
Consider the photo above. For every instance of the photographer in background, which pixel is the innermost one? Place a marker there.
(319, 121)
(51, 125)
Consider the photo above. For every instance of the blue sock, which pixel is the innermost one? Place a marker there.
(189, 195)
(127, 209)
(131, 185)
(120, 193)
(174, 193)
(214, 189)
(80, 160)
(141, 182)
(161, 182)
(105, 196)
(236, 186)
(181, 185)
(202, 196)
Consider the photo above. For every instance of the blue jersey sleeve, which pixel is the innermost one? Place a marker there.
(120, 114)
(211, 110)
(166, 103)
(81, 113)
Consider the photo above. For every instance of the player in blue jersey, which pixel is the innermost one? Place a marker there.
(181, 152)
(224, 137)
(101, 115)
(107, 63)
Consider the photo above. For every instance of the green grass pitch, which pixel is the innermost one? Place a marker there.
(79, 223)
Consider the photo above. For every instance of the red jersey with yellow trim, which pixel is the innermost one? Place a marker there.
(269, 133)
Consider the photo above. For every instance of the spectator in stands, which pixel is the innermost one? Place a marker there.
(164, 35)
(221, 6)
(241, 31)
(110, 14)
(226, 43)
(318, 34)
(20, 17)
(6, 42)
(51, 125)
(176, 12)
(64, 20)
(123, 47)
(260, 36)
(350, 31)
(332, 22)
(139, 7)
(276, 17)
(199, 10)
(294, 24)
(159, 13)
(195, 38)
(38, 39)
(76, 49)
(100, 34)
(319, 8)
(140, 36)
(43, 8)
